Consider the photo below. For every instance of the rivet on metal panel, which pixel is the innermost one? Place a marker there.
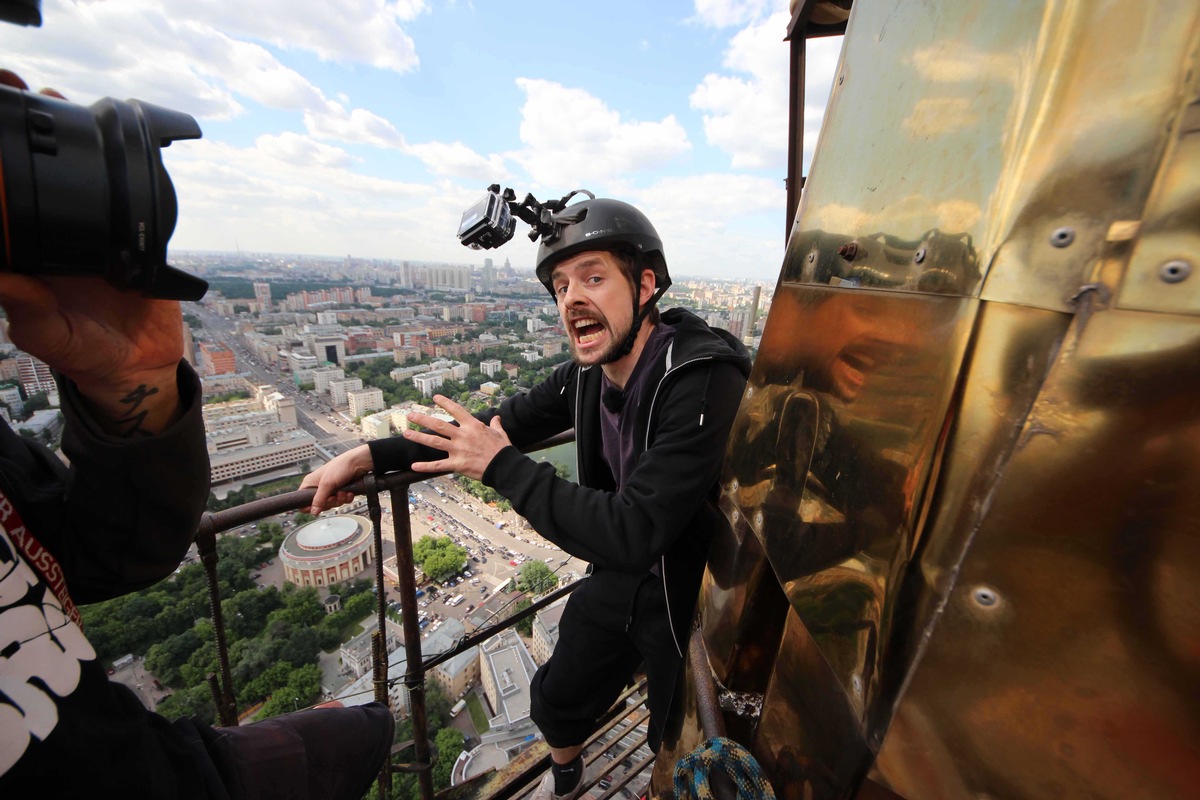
(734, 516)
(733, 485)
(812, 258)
(1174, 271)
(840, 79)
(919, 256)
(758, 519)
(984, 596)
(1062, 237)
(749, 391)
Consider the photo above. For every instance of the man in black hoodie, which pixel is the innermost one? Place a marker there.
(650, 426)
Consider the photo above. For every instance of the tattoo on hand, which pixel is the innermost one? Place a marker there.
(131, 421)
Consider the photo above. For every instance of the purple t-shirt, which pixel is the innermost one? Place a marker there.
(618, 408)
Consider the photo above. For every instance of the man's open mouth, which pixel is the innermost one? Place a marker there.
(587, 330)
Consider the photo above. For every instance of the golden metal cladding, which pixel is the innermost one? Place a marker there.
(963, 556)
(1064, 657)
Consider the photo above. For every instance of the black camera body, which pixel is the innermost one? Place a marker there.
(84, 191)
(488, 223)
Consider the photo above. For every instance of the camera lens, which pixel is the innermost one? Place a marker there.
(84, 191)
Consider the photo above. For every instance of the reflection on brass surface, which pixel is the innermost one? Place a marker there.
(968, 453)
(744, 616)
(1078, 595)
(827, 467)
(1164, 271)
(683, 734)
(809, 741)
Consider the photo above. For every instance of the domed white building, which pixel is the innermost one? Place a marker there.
(327, 550)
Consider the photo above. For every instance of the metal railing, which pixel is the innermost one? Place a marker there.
(371, 486)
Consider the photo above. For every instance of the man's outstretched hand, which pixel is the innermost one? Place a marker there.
(470, 445)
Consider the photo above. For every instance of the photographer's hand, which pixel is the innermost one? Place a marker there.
(121, 349)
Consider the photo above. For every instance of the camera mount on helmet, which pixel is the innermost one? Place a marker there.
(560, 225)
(565, 230)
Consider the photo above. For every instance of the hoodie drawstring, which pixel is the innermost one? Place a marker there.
(704, 394)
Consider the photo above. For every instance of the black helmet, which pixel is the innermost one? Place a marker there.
(602, 224)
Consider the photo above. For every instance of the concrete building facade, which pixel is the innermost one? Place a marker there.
(363, 401)
(327, 550)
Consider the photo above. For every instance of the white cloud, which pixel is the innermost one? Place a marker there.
(748, 115)
(572, 137)
(456, 160)
(171, 54)
(747, 111)
(731, 221)
(245, 69)
(357, 126)
(302, 152)
(286, 193)
(728, 13)
(364, 31)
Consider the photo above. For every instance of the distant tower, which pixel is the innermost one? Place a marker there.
(754, 301)
(262, 295)
(488, 279)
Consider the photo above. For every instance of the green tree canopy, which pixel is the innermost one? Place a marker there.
(536, 578)
(439, 556)
(525, 626)
(449, 743)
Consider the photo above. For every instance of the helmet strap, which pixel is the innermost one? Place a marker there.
(639, 316)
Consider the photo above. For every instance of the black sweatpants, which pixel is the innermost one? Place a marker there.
(610, 627)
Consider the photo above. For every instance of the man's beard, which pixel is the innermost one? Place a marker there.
(616, 340)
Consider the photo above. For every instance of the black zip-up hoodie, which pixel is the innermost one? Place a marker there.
(667, 511)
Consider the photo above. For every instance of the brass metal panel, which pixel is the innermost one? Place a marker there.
(1101, 98)
(810, 741)
(989, 148)
(834, 444)
(966, 456)
(1012, 350)
(913, 145)
(1164, 270)
(1066, 661)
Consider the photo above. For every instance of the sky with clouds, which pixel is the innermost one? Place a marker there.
(366, 128)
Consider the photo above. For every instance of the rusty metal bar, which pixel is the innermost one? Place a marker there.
(379, 637)
(370, 486)
(708, 705)
(376, 517)
(301, 498)
(414, 676)
(708, 711)
(206, 544)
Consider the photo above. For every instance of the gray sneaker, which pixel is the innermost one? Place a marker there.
(545, 790)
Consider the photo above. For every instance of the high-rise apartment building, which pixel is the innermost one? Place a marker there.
(364, 401)
(262, 296)
(34, 375)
